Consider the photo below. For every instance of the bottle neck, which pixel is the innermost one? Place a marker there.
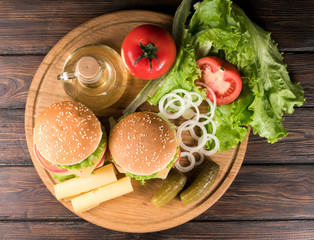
(90, 72)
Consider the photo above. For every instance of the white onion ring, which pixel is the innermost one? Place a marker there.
(184, 126)
(199, 162)
(164, 111)
(197, 112)
(208, 120)
(199, 98)
(184, 110)
(188, 114)
(191, 159)
(210, 90)
(208, 137)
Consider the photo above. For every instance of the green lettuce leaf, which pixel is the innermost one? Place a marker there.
(141, 178)
(183, 73)
(175, 158)
(63, 178)
(267, 91)
(144, 178)
(274, 93)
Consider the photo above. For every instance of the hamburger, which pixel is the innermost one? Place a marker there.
(69, 140)
(144, 145)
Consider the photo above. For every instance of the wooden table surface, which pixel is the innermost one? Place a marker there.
(271, 198)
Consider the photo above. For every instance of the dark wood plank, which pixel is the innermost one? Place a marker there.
(13, 146)
(281, 230)
(258, 193)
(35, 26)
(16, 73)
(300, 67)
(266, 193)
(287, 20)
(296, 148)
(32, 200)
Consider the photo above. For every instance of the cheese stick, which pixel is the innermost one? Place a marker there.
(95, 197)
(75, 186)
(68, 199)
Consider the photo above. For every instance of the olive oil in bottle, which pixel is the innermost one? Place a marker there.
(95, 76)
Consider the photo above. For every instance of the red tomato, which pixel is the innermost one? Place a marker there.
(222, 77)
(108, 156)
(178, 157)
(101, 162)
(148, 51)
(46, 164)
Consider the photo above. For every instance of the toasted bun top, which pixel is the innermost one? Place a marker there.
(67, 132)
(142, 143)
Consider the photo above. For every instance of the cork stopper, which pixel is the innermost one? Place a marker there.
(88, 67)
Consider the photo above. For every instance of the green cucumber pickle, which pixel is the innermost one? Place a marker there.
(204, 180)
(170, 189)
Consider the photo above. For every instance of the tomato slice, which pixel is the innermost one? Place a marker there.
(108, 155)
(222, 77)
(178, 157)
(46, 164)
(100, 163)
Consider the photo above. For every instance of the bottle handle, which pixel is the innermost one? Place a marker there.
(66, 76)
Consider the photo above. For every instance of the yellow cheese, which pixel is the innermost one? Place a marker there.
(120, 169)
(163, 173)
(75, 186)
(95, 197)
(86, 171)
(68, 199)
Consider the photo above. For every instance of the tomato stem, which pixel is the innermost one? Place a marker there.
(149, 52)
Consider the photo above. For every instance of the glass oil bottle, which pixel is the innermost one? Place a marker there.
(95, 76)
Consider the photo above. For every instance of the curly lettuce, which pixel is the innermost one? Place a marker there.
(144, 178)
(267, 91)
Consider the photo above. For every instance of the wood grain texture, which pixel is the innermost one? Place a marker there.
(279, 230)
(17, 73)
(13, 146)
(33, 27)
(258, 193)
(296, 148)
(128, 212)
(276, 199)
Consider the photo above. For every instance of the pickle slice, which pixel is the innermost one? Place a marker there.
(204, 180)
(170, 189)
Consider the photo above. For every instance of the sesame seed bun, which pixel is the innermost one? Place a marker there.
(142, 143)
(67, 132)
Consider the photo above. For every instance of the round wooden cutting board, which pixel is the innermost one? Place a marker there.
(132, 212)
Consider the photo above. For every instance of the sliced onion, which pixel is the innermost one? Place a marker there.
(208, 120)
(210, 90)
(199, 98)
(188, 101)
(188, 114)
(211, 104)
(163, 110)
(185, 126)
(209, 137)
(191, 159)
(199, 162)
